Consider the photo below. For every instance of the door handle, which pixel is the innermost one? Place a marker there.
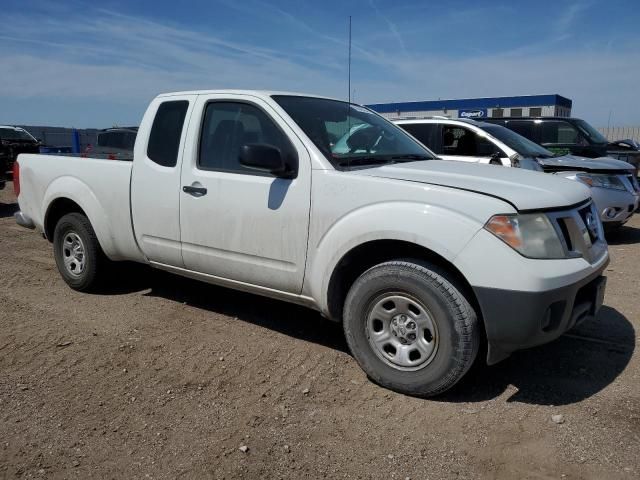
(195, 191)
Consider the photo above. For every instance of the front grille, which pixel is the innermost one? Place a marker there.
(580, 231)
(591, 222)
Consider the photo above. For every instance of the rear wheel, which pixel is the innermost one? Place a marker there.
(410, 328)
(77, 252)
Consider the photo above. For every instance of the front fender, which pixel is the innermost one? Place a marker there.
(440, 230)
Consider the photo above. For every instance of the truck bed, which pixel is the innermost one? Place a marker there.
(101, 187)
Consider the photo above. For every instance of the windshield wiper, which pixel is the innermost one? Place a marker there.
(343, 162)
(410, 157)
(381, 159)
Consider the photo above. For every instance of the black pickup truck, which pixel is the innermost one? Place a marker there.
(570, 136)
(13, 141)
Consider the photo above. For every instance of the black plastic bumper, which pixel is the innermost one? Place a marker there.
(515, 320)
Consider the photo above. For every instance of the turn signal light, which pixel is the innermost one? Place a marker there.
(506, 228)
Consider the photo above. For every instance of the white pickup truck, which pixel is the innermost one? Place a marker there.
(420, 259)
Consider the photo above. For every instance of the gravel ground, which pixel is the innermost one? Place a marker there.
(163, 377)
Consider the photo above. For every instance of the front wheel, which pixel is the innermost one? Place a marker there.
(410, 328)
(77, 252)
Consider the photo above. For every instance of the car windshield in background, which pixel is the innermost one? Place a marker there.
(594, 135)
(523, 146)
(120, 139)
(350, 135)
(13, 134)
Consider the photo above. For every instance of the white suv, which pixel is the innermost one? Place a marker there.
(614, 187)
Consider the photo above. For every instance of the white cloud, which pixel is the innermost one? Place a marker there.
(123, 60)
(392, 26)
(565, 20)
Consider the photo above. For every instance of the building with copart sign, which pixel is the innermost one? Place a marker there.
(477, 108)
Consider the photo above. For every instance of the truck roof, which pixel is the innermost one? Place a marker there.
(257, 93)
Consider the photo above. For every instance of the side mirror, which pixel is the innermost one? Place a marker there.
(495, 159)
(266, 158)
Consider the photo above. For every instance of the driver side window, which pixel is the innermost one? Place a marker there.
(559, 132)
(227, 126)
(465, 143)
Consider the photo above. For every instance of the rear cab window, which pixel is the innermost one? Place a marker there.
(166, 131)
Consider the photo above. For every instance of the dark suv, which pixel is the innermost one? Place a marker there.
(13, 141)
(565, 135)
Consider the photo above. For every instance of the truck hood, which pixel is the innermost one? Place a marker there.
(573, 162)
(524, 189)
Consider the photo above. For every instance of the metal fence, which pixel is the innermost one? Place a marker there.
(621, 133)
(61, 136)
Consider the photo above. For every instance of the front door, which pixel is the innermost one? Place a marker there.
(237, 223)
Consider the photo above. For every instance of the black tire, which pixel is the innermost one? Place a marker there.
(454, 319)
(94, 258)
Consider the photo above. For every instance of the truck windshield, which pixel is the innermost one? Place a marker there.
(15, 134)
(350, 135)
(523, 146)
(591, 133)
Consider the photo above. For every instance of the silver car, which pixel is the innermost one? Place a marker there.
(614, 187)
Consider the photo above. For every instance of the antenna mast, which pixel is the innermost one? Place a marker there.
(349, 81)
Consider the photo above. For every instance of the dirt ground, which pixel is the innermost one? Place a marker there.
(163, 377)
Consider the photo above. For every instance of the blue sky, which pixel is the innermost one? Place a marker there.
(78, 63)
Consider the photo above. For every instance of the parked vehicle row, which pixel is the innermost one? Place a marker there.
(13, 141)
(420, 259)
(116, 143)
(574, 136)
(613, 183)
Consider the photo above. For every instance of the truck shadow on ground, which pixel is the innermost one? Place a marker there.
(288, 319)
(8, 209)
(623, 236)
(573, 368)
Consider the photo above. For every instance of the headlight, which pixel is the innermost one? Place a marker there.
(531, 235)
(601, 180)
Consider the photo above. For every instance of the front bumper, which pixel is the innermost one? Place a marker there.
(615, 207)
(515, 320)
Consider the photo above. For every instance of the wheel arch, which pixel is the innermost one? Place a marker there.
(63, 205)
(366, 255)
(57, 209)
(69, 194)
